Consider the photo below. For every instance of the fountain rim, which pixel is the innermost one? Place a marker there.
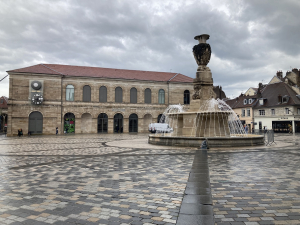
(203, 112)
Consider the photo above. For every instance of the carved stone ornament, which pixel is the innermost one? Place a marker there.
(197, 89)
(202, 51)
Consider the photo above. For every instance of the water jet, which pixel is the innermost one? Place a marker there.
(207, 118)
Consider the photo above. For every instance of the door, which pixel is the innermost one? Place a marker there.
(102, 123)
(133, 123)
(118, 123)
(35, 123)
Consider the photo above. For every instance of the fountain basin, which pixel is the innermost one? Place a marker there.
(213, 142)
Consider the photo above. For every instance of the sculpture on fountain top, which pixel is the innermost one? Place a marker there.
(203, 83)
(202, 51)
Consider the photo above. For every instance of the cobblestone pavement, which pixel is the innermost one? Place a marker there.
(80, 180)
(256, 187)
(120, 179)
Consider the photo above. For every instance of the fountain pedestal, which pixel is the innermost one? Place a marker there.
(201, 124)
(207, 118)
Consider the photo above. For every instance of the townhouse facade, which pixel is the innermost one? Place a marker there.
(278, 108)
(243, 107)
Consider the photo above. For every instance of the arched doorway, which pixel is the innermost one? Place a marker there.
(102, 123)
(35, 125)
(147, 121)
(69, 123)
(86, 123)
(3, 123)
(118, 123)
(133, 123)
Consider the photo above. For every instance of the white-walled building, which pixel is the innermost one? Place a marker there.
(277, 108)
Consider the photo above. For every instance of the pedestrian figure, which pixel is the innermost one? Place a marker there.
(56, 130)
(290, 129)
(19, 132)
(246, 129)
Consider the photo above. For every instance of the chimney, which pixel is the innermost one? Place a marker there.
(296, 71)
(279, 74)
(258, 93)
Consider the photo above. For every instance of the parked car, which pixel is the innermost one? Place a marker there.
(160, 128)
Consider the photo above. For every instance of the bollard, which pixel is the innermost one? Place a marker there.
(204, 145)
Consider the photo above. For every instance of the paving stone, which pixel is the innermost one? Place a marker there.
(66, 180)
(259, 182)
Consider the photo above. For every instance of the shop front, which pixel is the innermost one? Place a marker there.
(281, 126)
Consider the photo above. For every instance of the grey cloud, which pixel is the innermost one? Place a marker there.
(153, 35)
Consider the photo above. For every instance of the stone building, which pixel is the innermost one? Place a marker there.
(91, 99)
(278, 108)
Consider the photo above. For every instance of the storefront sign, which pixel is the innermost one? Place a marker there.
(283, 118)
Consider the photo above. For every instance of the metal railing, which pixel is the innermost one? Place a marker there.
(268, 135)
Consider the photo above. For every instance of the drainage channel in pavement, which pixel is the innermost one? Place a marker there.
(196, 207)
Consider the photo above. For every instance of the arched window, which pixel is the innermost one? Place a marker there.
(70, 93)
(86, 93)
(186, 98)
(118, 95)
(148, 96)
(161, 96)
(133, 95)
(102, 94)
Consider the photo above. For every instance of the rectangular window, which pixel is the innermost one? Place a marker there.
(261, 101)
(1, 101)
(243, 112)
(287, 110)
(248, 112)
(273, 111)
(298, 111)
(262, 112)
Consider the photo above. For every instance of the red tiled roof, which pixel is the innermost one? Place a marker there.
(85, 71)
(4, 104)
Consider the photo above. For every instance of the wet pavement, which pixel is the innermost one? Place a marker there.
(120, 179)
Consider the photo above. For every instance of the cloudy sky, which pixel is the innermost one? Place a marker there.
(250, 40)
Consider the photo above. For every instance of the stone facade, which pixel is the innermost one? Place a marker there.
(55, 106)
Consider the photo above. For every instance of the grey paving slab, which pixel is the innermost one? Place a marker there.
(120, 179)
(82, 180)
(256, 187)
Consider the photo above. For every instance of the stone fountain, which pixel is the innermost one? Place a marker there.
(207, 118)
